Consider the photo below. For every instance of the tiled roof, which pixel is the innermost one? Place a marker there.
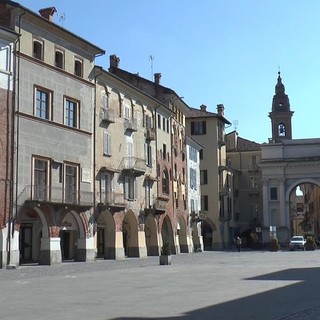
(202, 113)
(245, 145)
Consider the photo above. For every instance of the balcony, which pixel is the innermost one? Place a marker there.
(55, 195)
(253, 167)
(133, 165)
(150, 134)
(111, 200)
(108, 116)
(130, 125)
(156, 206)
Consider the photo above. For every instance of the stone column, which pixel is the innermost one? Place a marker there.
(282, 202)
(142, 248)
(119, 250)
(85, 249)
(265, 193)
(50, 251)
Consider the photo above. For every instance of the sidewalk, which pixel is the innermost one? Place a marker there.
(208, 285)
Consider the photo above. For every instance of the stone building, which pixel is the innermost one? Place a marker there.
(7, 46)
(170, 157)
(54, 93)
(208, 129)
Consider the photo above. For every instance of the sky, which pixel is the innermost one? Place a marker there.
(212, 51)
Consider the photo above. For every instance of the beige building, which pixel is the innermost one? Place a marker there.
(208, 129)
(130, 199)
(243, 159)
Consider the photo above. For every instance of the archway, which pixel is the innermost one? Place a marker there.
(151, 234)
(130, 235)
(182, 233)
(167, 234)
(208, 229)
(106, 236)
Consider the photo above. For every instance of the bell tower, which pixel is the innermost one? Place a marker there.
(281, 114)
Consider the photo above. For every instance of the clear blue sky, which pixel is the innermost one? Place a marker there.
(212, 52)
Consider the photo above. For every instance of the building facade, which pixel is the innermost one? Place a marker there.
(208, 129)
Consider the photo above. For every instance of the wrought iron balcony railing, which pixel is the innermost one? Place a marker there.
(55, 195)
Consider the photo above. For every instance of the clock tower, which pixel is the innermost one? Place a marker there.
(281, 114)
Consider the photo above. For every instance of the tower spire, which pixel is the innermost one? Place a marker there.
(280, 114)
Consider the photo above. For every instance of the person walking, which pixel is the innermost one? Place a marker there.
(239, 242)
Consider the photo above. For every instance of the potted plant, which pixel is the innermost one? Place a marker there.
(165, 256)
(310, 244)
(274, 244)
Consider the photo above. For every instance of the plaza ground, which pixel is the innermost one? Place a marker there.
(209, 285)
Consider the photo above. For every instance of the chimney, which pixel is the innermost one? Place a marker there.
(220, 109)
(47, 13)
(157, 77)
(203, 107)
(114, 61)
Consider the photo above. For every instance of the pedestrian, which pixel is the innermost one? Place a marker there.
(239, 242)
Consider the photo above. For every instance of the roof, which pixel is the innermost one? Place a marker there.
(18, 5)
(244, 145)
(201, 113)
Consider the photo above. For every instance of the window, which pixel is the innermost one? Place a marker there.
(148, 190)
(203, 176)
(165, 182)
(129, 188)
(105, 101)
(38, 49)
(148, 122)
(204, 203)
(40, 179)
(281, 130)
(106, 187)
(4, 57)
(164, 124)
(164, 151)
(198, 128)
(71, 182)
(273, 193)
(159, 121)
(106, 144)
(167, 125)
(59, 59)
(43, 103)
(201, 154)
(254, 183)
(127, 113)
(192, 205)
(193, 179)
(193, 154)
(71, 113)
(175, 172)
(148, 154)
(183, 175)
(78, 67)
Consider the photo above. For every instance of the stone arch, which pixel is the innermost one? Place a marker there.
(151, 234)
(182, 233)
(130, 234)
(167, 234)
(106, 229)
(208, 228)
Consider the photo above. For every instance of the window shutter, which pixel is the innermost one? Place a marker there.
(126, 187)
(135, 187)
(109, 144)
(105, 143)
(204, 127)
(146, 153)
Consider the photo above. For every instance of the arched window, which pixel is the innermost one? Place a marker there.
(281, 130)
(165, 182)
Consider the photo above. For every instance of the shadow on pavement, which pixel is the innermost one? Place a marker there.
(298, 301)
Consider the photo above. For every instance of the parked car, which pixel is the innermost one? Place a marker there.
(297, 242)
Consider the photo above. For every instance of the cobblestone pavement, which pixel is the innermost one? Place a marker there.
(209, 285)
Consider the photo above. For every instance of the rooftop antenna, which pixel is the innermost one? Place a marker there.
(62, 17)
(235, 124)
(151, 58)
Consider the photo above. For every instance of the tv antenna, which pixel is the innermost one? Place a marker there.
(151, 58)
(235, 124)
(62, 17)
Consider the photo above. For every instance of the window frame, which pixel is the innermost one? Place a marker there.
(78, 67)
(38, 55)
(49, 102)
(59, 51)
(35, 185)
(76, 119)
(107, 143)
(76, 167)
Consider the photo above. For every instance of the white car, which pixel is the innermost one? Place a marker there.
(297, 242)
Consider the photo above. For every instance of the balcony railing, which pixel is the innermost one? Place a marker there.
(108, 115)
(130, 124)
(156, 205)
(134, 164)
(112, 199)
(253, 167)
(55, 195)
(150, 134)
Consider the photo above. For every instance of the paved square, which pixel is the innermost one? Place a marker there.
(208, 285)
